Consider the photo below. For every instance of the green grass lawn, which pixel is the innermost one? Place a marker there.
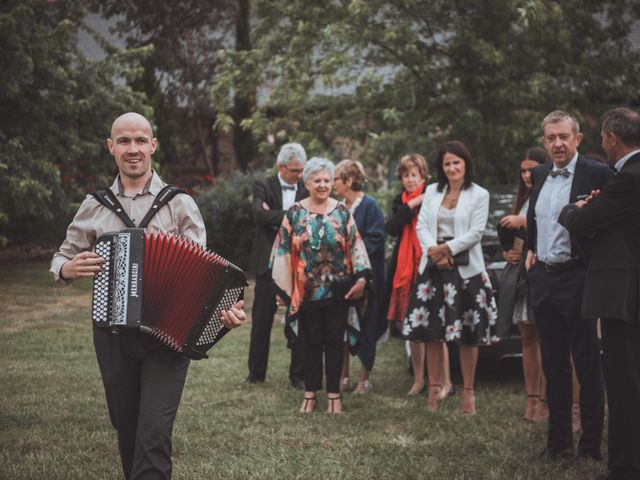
(54, 422)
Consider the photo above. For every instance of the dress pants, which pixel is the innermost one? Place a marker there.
(264, 308)
(556, 300)
(621, 362)
(323, 329)
(143, 382)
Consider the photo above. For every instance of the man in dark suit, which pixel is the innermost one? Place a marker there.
(271, 198)
(556, 270)
(610, 220)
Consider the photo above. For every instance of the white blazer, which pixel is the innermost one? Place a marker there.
(470, 220)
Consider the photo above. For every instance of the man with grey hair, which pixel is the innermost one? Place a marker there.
(611, 220)
(556, 267)
(272, 197)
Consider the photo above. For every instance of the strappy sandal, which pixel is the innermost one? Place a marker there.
(467, 393)
(542, 411)
(415, 390)
(305, 408)
(434, 397)
(448, 392)
(345, 385)
(331, 407)
(530, 408)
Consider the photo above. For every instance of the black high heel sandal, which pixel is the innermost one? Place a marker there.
(305, 405)
(331, 404)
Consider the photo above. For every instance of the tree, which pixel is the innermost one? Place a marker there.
(185, 38)
(399, 75)
(54, 104)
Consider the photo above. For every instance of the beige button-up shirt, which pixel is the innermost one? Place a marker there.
(180, 217)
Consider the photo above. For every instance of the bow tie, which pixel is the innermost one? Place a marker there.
(560, 171)
(287, 187)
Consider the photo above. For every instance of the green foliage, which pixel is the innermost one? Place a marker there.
(55, 106)
(185, 39)
(226, 209)
(401, 76)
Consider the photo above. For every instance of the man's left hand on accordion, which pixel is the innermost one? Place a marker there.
(235, 316)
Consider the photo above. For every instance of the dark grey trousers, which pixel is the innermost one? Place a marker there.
(143, 382)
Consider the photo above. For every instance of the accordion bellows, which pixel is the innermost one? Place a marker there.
(170, 287)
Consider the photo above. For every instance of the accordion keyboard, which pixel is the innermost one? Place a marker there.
(101, 311)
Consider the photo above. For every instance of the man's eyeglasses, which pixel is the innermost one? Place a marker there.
(293, 171)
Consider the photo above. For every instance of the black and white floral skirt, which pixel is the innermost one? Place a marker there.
(446, 307)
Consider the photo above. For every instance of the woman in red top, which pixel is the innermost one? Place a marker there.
(413, 172)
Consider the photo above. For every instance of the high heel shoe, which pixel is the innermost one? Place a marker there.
(434, 397)
(331, 407)
(448, 391)
(530, 408)
(308, 404)
(345, 385)
(363, 387)
(468, 405)
(416, 389)
(542, 411)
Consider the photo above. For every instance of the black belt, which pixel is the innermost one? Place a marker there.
(559, 267)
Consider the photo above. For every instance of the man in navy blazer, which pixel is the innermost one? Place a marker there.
(556, 268)
(272, 196)
(611, 221)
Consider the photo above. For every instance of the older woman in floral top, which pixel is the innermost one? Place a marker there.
(320, 265)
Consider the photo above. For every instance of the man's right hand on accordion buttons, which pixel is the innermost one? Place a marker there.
(83, 265)
(235, 316)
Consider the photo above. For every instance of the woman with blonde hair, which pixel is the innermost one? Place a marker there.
(413, 173)
(349, 184)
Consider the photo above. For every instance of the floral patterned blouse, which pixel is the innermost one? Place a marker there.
(311, 250)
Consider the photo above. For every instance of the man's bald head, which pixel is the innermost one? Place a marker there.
(132, 144)
(131, 118)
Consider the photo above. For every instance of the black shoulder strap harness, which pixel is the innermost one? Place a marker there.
(109, 200)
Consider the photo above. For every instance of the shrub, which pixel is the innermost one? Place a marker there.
(226, 209)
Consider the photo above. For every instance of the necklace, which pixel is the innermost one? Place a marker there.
(451, 199)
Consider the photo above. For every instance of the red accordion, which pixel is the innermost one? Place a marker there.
(168, 286)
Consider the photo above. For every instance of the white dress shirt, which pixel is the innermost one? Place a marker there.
(554, 242)
(620, 163)
(288, 195)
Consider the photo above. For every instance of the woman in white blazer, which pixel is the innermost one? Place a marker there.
(453, 299)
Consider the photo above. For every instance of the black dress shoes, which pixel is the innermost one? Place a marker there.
(297, 384)
(554, 455)
(584, 455)
(251, 379)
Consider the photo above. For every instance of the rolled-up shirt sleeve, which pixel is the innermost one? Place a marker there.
(81, 237)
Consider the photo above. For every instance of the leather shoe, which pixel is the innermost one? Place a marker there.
(297, 384)
(253, 380)
(554, 455)
(582, 455)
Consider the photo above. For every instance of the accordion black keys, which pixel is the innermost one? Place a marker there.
(167, 286)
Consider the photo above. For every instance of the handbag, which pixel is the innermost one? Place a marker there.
(459, 259)
(340, 286)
